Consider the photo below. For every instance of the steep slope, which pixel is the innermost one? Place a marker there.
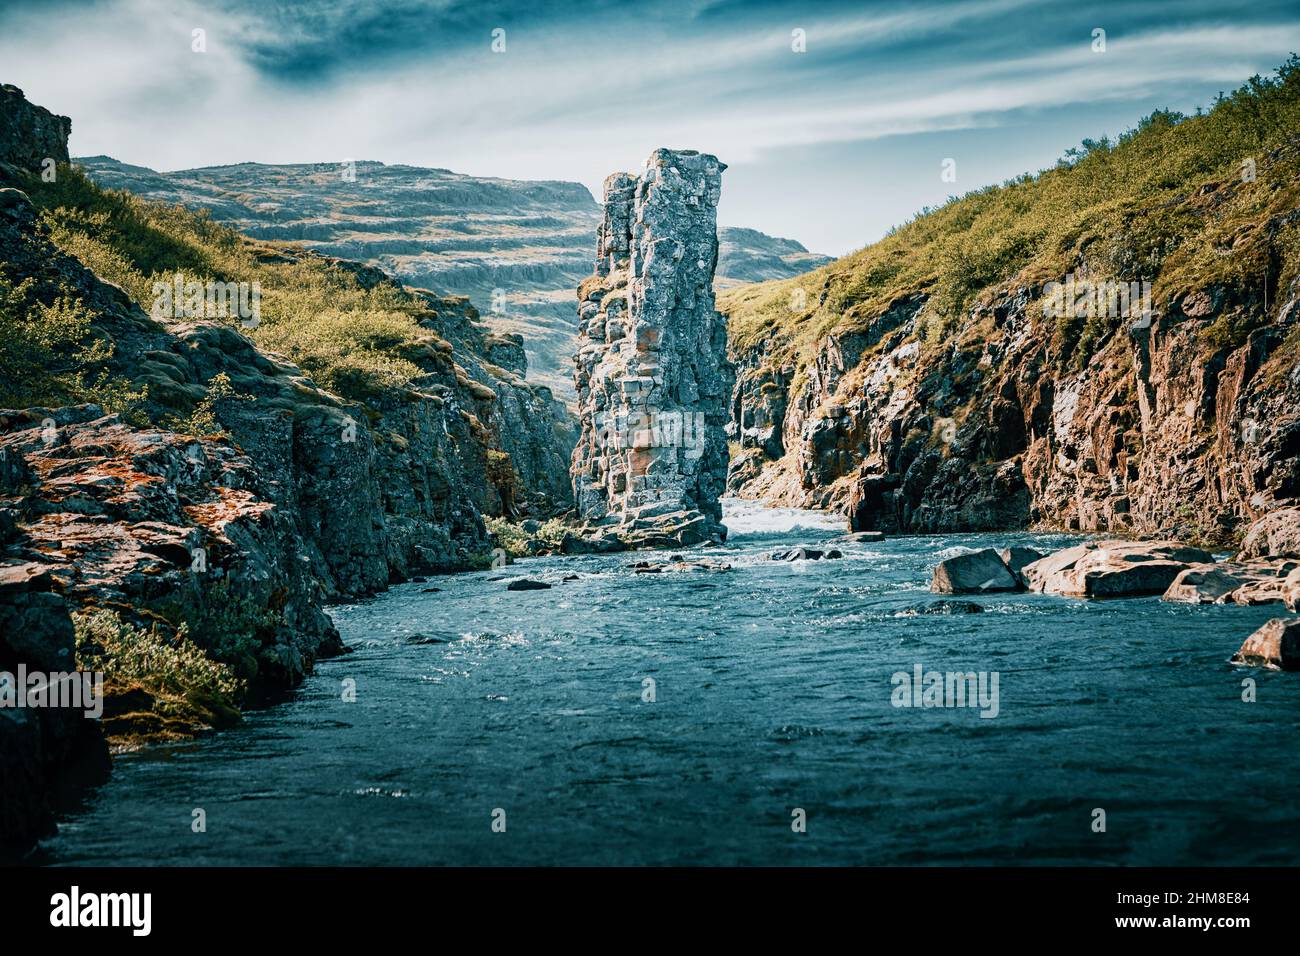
(516, 249)
(187, 476)
(974, 370)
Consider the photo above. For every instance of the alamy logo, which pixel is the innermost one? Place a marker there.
(74, 690)
(133, 910)
(683, 430)
(191, 299)
(1082, 299)
(922, 688)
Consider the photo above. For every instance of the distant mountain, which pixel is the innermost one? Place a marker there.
(517, 249)
(747, 255)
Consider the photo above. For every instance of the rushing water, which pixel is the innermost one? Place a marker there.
(772, 691)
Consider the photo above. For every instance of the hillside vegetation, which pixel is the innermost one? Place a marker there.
(352, 336)
(1143, 208)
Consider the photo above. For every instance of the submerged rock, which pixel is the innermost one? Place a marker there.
(975, 573)
(527, 584)
(865, 536)
(1276, 644)
(948, 607)
(1113, 568)
(652, 374)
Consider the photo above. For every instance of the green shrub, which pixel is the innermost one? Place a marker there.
(182, 680)
(48, 354)
(229, 626)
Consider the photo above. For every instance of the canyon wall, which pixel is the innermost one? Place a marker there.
(652, 376)
(1183, 421)
(242, 529)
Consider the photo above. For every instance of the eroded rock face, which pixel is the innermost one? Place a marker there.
(39, 747)
(652, 376)
(1166, 430)
(30, 134)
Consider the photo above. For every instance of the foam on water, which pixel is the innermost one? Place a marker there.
(745, 518)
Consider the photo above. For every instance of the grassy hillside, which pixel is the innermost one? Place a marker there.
(1167, 203)
(351, 336)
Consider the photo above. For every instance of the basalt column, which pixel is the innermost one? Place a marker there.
(652, 374)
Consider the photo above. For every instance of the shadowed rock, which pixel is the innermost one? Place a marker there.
(975, 573)
(1276, 644)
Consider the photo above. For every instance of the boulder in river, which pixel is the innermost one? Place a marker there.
(977, 572)
(1276, 644)
(527, 584)
(596, 543)
(1098, 569)
(1291, 590)
(1233, 582)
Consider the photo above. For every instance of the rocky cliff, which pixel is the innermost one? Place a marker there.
(1108, 347)
(652, 376)
(212, 480)
(516, 249)
(31, 137)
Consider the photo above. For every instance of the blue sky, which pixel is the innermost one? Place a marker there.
(830, 146)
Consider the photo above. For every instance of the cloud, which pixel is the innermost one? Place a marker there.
(584, 90)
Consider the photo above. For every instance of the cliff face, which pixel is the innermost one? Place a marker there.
(652, 375)
(230, 488)
(30, 134)
(941, 381)
(515, 249)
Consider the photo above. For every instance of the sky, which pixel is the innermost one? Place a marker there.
(835, 119)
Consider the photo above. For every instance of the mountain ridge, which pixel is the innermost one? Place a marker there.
(515, 248)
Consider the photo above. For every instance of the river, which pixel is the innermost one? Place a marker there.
(733, 717)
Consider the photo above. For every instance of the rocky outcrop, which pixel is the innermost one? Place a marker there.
(1098, 569)
(978, 572)
(515, 249)
(48, 749)
(1233, 582)
(289, 496)
(652, 376)
(1276, 645)
(1276, 534)
(30, 135)
(1184, 423)
(142, 519)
